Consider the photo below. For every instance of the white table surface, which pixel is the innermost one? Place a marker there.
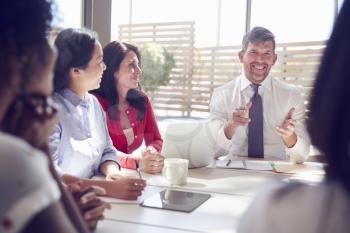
(231, 192)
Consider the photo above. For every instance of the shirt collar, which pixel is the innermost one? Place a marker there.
(246, 83)
(73, 98)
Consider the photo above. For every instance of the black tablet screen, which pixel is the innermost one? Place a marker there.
(176, 200)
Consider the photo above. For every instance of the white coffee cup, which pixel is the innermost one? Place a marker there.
(175, 170)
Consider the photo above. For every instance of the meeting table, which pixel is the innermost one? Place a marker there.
(230, 190)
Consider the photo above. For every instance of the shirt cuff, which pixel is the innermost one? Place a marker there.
(157, 146)
(110, 157)
(129, 161)
(222, 141)
(299, 152)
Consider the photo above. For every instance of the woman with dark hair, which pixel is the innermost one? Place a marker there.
(80, 145)
(130, 118)
(32, 198)
(325, 207)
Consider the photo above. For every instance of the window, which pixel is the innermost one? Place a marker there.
(69, 13)
(295, 20)
(289, 20)
(204, 13)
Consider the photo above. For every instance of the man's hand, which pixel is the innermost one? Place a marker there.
(240, 117)
(287, 129)
(91, 207)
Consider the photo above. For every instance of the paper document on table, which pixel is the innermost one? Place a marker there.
(258, 165)
(245, 164)
(309, 168)
(230, 164)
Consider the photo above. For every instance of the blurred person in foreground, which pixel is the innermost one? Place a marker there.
(32, 197)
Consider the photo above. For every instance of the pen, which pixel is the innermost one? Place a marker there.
(138, 169)
(244, 164)
(228, 162)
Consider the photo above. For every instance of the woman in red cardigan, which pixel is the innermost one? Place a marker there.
(130, 118)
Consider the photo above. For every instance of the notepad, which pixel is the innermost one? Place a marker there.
(259, 165)
(309, 168)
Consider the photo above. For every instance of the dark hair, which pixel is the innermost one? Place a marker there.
(329, 116)
(258, 35)
(24, 25)
(75, 49)
(113, 55)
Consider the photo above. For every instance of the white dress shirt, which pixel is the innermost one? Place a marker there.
(277, 98)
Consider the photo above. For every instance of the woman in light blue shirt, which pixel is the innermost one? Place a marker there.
(80, 144)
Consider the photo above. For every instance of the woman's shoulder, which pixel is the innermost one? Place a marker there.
(291, 196)
(13, 147)
(281, 206)
(100, 100)
(58, 98)
(17, 155)
(63, 104)
(146, 97)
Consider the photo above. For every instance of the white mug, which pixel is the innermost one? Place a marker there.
(175, 171)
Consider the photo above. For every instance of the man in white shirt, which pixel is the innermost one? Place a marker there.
(278, 117)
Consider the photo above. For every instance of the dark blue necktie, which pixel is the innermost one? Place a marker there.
(255, 127)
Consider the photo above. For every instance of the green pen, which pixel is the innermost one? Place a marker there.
(273, 166)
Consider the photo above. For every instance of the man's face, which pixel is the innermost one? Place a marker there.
(257, 61)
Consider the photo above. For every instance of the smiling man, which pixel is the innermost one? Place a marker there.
(261, 117)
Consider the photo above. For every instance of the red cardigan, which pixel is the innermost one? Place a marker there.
(147, 130)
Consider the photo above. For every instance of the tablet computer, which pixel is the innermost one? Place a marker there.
(176, 200)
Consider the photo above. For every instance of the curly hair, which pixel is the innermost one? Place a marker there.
(24, 25)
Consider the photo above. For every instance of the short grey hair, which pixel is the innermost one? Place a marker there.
(258, 35)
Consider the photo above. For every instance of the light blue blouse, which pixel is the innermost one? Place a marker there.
(80, 142)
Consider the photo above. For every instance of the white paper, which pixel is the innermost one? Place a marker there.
(238, 164)
(258, 165)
